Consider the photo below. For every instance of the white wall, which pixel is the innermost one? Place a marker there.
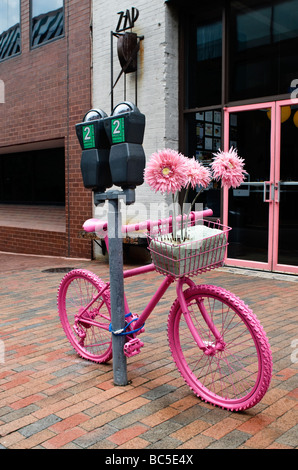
(157, 95)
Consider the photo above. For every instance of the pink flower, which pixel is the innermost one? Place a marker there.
(197, 174)
(228, 167)
(166, 171)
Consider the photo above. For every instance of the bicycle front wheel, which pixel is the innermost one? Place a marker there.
(85, 314)
(236, 375)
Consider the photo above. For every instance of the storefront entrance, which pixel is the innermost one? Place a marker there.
(263, 210)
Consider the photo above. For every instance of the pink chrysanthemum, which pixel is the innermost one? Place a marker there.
(166, 171)
(228, 167)
(197, 174)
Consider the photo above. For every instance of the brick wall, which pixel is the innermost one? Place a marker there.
(36, 242)
(47, 91)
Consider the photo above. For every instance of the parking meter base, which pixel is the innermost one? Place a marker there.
(127, 164)
(95, 169)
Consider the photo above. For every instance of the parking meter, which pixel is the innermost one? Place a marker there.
(95, 146)
(125, 131)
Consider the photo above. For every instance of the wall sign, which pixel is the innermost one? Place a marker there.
(128, 47)
(127, 19)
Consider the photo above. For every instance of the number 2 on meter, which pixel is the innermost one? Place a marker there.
(116, 125)
(87, 135)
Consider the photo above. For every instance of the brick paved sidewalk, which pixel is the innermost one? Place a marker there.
(50, 398)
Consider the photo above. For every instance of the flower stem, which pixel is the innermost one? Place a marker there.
(174, 218)
(182, 218)
(194, 201)
(191, 206)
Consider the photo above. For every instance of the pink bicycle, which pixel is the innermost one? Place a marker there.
(216, 341)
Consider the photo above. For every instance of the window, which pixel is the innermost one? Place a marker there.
(203, 42)
(263, 48)
(47, 21)
(10, 33)
(233, 51)
(35, 177)
(204, 139)
(204, 58)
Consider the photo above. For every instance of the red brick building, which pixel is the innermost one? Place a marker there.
(45, 66)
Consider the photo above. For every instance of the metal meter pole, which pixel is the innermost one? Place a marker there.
(117, 290)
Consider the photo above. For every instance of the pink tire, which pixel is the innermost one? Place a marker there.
(236, 377)
(78, 289)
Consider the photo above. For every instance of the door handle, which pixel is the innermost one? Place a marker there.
(278, 192)
(270, 191)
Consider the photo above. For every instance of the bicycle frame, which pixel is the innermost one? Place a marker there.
(167, 281)
(165, 284)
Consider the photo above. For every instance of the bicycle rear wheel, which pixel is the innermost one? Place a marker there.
(235, 377)
(79, 300)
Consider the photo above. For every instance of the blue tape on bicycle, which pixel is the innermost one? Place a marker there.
(123, 331)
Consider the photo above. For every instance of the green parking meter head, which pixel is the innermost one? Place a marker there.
(95, 147)
(125, 130)
(90, 131)
(126, 124)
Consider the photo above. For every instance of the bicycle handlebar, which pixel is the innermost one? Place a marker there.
(96, 225)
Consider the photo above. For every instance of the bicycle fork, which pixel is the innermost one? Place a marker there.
(208, 347)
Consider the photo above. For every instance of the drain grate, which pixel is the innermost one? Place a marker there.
(58, 270)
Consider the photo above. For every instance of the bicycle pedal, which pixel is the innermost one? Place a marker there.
(132, 347)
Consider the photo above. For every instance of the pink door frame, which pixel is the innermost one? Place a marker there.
(275, 264)
(273, 217)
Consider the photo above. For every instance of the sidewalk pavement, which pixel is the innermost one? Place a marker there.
(50, 398)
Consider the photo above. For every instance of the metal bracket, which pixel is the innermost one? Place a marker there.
(129, 196)
(115, 34)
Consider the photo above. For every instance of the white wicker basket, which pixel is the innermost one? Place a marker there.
(204, 249)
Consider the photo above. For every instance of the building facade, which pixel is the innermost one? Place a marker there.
(45, 71)
(209, 75)
(153, 88)
(216, 75)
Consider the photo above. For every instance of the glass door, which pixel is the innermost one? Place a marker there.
(285, 249)
(263, 210)
(249, 209)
